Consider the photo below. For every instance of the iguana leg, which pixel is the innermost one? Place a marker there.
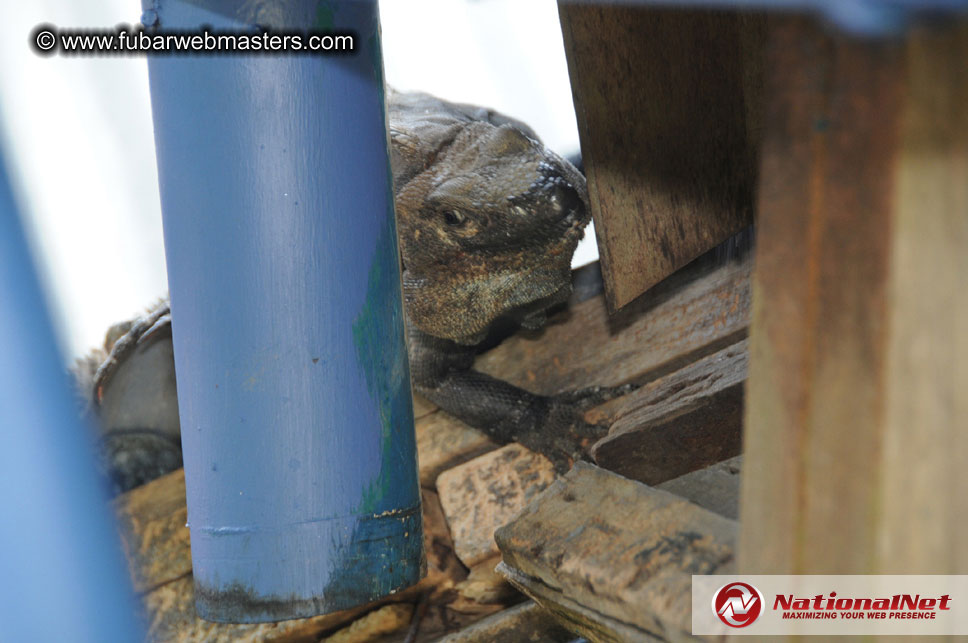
(551, 425)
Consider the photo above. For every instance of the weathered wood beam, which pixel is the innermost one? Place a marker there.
(687, 420)
(715, 488)
(667, 103)
(524, 622)
(154, 534)
(390, 621)
(614, 558)
(583, 621)
(857, 418)
(443, 442)
(695, 312)
(481, 495)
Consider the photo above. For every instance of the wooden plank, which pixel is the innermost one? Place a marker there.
(441, 620)
(524, 622)
(152, 520)
(483, 494)
(444, 442)
(715, 488)
(444, 570)
(382, 622)
(618, 549)
(584, 622)
(679, 423)
(695, 312)
(667, 104)
(485, 586)
(857, 421)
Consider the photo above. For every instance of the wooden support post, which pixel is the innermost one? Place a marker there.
(667, 104)
(857, 413)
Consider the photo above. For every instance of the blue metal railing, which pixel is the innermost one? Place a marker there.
(62, 573)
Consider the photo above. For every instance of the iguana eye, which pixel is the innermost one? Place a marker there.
(453, 217)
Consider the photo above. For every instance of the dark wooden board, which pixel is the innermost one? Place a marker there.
(668, 104)
(685, 421)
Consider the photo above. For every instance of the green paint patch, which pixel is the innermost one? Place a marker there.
(381, 350)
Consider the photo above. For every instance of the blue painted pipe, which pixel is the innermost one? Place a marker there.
(293, 380)
(62, 573)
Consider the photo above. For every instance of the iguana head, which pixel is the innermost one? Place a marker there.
(488, 230)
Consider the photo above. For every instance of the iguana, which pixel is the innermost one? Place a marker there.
(488, 220)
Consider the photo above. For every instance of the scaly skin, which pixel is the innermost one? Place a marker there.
(488, 220)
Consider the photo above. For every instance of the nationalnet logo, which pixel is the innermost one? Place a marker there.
(830, 605)
(737, 604)
(898, 606)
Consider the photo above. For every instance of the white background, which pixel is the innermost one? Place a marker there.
(78, 139)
